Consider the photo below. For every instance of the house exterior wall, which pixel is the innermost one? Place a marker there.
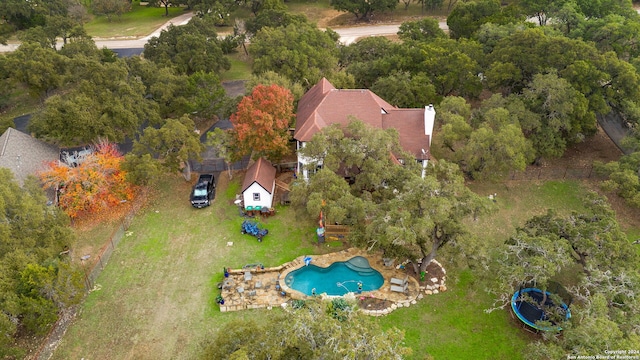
(266, 199)
(303, 162)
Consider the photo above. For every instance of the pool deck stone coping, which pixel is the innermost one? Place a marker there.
(241, 294)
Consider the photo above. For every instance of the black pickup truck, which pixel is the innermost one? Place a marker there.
(203, 192)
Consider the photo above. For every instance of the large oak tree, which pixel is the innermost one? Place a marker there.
(189, 48)
(36, 281)
(261, 123)
(388, 205)
(363, 9)
(301, 52)
(310, 331)
(549, 247)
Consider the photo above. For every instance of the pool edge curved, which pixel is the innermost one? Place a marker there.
(365, 274)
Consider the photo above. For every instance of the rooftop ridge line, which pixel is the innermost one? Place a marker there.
(6, 141)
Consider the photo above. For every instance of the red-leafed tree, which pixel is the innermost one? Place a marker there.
(95, 185)
(261, 124)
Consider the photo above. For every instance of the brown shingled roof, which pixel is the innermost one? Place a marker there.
(25, 155)
(261, 172)
(407, 122)
(325, 105)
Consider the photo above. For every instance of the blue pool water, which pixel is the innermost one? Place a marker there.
(337, 279)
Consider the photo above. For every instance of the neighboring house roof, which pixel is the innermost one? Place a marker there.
(324, 105)
(25, 155)
(261, 172)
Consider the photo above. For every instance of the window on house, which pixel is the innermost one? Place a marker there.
(256, 196)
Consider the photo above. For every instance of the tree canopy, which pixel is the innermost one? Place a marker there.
(189, 48)
(623, 176)
(363, 9)
(39, 68)
(95, 185)
(605, 293)
(110, 7)
(466, 17)
(261, 124)
(390, 207)
(488, 145)
(301, 52)
(272, 18)
(421, 30)
(108, 104)
(172, 145)
(36, 280)
(311, 330)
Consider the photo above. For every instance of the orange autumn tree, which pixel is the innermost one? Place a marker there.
(95, 185)
(261, 123)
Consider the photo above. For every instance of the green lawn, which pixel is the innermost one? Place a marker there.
(156, 296)
(453, 325)
(240, 67)
(140, 21)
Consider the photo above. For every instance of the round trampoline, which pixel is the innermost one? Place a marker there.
(528, 306)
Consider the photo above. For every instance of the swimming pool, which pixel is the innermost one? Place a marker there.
(338, 279)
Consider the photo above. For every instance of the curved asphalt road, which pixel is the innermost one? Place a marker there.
(347, 35)
(612, 125)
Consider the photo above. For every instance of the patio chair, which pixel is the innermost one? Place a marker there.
(247, 276)
(399, 282)
(258, 284)
(240, 290)
(400, 289)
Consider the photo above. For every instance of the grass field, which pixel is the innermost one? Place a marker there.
(453, 325)
(156, 296)
(157, 293)
(240, 67)
(140, 21)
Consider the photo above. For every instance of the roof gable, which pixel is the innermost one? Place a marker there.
(25, 155)
(324, 105)
(261, 172)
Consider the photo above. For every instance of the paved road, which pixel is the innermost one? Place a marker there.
(351, 34)
(122, 43)
(347, 35)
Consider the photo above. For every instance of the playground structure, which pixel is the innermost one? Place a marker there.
(532, 306)
(253, 228)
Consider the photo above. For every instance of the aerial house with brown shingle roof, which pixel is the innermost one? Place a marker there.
(259, 185)
(324, 105)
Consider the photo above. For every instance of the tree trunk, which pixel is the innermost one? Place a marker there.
(426, 260)
(186, 171)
